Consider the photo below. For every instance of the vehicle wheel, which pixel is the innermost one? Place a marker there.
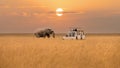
(76, 38)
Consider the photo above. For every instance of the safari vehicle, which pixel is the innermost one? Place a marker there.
(75, 33)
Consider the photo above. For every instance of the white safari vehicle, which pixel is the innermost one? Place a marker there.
(75, 33)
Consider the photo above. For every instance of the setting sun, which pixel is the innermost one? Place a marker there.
(59, 11)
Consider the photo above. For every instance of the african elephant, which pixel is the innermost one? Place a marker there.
(45, 33)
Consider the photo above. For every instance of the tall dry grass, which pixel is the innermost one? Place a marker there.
(22, 51)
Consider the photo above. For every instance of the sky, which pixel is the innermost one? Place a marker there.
(26, 16)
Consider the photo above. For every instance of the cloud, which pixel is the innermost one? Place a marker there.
(24, 14)
(28, 7)
(36, 14)
(68, 12)
(27, 14)
(14, 14)
(112, 13)
(4, 6)
(74, 12)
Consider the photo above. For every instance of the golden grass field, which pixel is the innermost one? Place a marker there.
(27, 51)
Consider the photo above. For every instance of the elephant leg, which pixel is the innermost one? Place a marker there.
(47, 35)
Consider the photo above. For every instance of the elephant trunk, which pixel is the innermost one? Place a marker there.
(53, 33)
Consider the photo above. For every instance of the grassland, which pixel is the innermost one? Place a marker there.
(27, 51)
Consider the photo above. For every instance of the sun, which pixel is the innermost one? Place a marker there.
(59, 11)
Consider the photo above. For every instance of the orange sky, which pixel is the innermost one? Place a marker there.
(66, 4)
(29, 15)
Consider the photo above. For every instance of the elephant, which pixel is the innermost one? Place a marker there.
(45, 33)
